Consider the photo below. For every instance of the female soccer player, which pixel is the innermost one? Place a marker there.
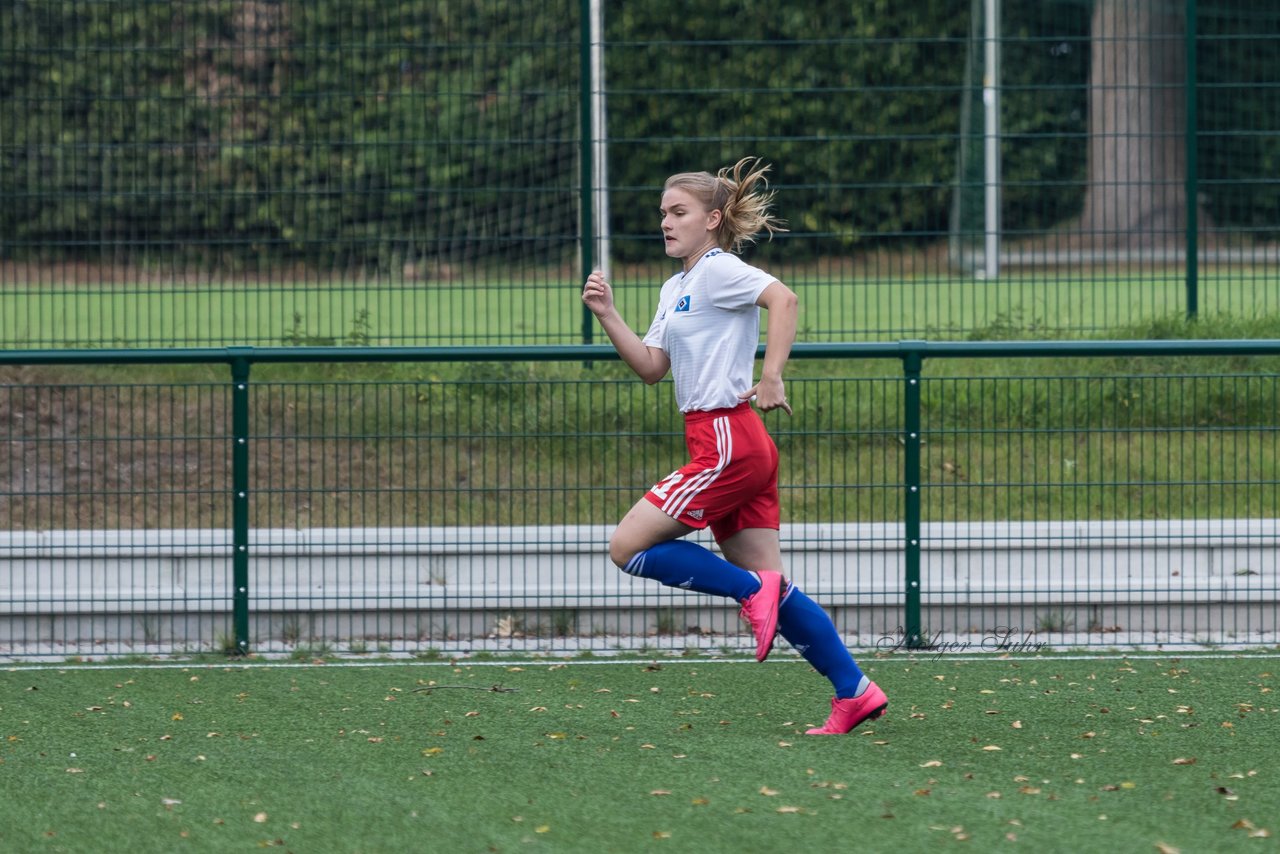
(705, 332)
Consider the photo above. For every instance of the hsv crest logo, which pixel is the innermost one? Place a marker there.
(683, 303)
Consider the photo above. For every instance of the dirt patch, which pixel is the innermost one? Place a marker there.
(110, 456)
(120, 455)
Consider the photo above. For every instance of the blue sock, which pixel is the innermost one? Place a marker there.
(689, 566)
(808, 628)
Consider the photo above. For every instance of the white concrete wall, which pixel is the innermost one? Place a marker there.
(402, 567)
(979, 567)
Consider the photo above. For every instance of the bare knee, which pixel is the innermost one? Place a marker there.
(621, 552)
(643, 527)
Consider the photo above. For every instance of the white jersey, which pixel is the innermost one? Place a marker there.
(708, 324)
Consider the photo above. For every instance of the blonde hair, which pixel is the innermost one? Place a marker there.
(740, 193)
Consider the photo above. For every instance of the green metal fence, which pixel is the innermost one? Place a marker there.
(936, 495)
(354, 172)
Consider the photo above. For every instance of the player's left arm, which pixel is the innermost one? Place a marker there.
(784, 308)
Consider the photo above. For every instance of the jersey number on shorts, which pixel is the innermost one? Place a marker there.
(660, 489)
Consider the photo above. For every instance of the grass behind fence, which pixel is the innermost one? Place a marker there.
(538, 312)
(564, 443)
(1049, 754)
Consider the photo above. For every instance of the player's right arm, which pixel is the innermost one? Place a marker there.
(650, 363)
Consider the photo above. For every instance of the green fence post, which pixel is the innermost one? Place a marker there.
(912, 364)
(240, 502)
(1192, 260)
(586, 211)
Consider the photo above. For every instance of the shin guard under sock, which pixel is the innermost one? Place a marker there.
(809, 629)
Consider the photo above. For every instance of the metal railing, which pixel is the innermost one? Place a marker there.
(1069, 494)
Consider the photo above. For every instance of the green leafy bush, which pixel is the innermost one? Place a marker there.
(377, 135)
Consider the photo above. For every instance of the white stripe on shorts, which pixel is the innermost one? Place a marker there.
(684, 493)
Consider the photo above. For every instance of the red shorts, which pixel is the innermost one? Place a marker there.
(731, 480)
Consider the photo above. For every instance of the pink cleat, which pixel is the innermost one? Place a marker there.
(761, 610)
(848, 713)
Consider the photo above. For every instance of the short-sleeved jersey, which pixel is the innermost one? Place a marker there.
(708, 324)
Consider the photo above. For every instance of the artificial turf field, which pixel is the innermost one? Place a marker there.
(1057, 753)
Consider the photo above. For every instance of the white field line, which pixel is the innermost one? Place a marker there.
(903, 658)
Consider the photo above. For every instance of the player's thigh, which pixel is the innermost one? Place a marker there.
(643, 526)
(754, 549)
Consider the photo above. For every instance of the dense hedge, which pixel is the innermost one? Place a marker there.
(376, 132)
(332, 132)
(865, 130)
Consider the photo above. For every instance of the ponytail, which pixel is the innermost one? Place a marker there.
(740, 193)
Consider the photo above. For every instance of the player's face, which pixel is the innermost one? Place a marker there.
(688, 228)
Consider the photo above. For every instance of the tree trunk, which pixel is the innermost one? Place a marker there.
(1136, 195)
